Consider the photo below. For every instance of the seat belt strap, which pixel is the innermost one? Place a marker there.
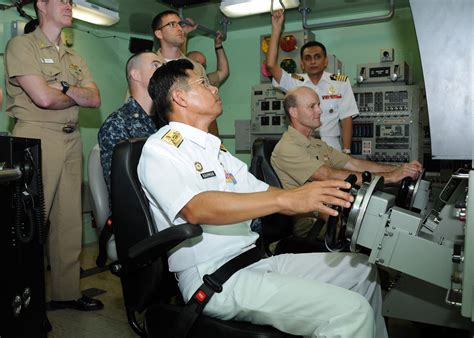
(212, 284)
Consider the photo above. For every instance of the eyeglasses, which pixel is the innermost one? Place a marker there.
(173, 24)
(202, 81)
(67, 2)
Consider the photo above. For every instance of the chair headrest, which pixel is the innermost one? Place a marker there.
(261, 166)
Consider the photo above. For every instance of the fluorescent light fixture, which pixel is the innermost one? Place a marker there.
(89, 12)
(236, 8)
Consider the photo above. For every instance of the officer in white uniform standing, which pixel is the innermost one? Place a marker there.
(337, 98)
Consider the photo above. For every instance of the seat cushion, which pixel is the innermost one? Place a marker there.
(160, 318)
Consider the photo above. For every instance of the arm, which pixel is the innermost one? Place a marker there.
(273, 67)
(391, 174)
(86, 96)
(43, 95)
(214, 207)
(188, 28)
(222, 70)
(346, 132)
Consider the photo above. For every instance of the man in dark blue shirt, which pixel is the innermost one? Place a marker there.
(135, 118)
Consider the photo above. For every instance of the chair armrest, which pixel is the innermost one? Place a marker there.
(161, 242)
(150, 249)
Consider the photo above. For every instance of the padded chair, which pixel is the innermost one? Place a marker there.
(99, 197)
(147, 284)
(277, 227)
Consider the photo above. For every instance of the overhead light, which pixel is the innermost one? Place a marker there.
(236, 8)
(98, 15)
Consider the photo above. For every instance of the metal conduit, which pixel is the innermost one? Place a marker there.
(224, 22)
(305, 10)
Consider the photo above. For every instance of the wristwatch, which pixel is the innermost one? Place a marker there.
(65, 86)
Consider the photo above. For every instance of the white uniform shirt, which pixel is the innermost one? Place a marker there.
(173, 172)
(337, 101)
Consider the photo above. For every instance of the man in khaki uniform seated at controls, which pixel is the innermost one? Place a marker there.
(299, 158)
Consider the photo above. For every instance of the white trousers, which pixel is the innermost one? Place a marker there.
(315, 294)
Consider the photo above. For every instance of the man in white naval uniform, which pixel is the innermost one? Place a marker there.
(200, 182)
(337, 98)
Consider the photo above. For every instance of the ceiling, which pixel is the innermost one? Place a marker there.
(136, 15)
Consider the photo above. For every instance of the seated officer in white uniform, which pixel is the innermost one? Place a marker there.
(337, 98)
(200, 182)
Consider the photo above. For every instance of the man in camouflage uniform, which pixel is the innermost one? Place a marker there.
(134, 118)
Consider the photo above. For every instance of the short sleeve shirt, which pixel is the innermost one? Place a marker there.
(178, 163)
(295, 158)
(335, 94)
(34, 54)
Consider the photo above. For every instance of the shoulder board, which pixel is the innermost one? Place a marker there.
(223, 148)
(297, 77)
(173, 137)
(338, 77)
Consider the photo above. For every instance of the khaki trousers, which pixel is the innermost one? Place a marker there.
(62, 179)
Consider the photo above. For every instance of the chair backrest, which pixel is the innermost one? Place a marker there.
(133, 223)
(276, 226)
(99, 197)
(99, 194)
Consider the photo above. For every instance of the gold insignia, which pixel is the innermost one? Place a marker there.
(297, 77)
(332, 90)
(338, 77)
(74, 67)
(223, 148)
(198, 166)
(173, 137)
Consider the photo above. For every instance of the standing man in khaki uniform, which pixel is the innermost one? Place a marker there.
(47, 82)
(171, 31)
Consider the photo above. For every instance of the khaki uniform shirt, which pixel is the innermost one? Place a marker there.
(34, 54)
(295, 159)
(198, 68)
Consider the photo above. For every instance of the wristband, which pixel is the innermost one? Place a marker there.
(346, 151)
(220, 47)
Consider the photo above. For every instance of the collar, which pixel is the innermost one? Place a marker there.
(158, 52)
(43, 42)
(136, 107)
(298, 137)
(195, 135)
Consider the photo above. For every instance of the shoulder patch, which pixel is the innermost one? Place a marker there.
(297, 77)
(338, 77)
(173, 137)
(223, 148)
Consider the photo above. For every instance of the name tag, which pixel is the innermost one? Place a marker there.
(208, 175)
(47, 61)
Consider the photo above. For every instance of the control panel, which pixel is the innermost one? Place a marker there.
(389, 127)
(268, 117)
(383, 72)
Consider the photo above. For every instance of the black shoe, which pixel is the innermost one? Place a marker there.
(82, 304)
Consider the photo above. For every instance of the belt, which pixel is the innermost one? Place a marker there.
(67, 128)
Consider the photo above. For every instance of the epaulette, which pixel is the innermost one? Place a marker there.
(297, 77)
(338, 77)
(223, 148)
(173, 137)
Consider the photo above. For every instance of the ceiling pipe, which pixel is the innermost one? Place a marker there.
(224, 22)
(305, 10)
